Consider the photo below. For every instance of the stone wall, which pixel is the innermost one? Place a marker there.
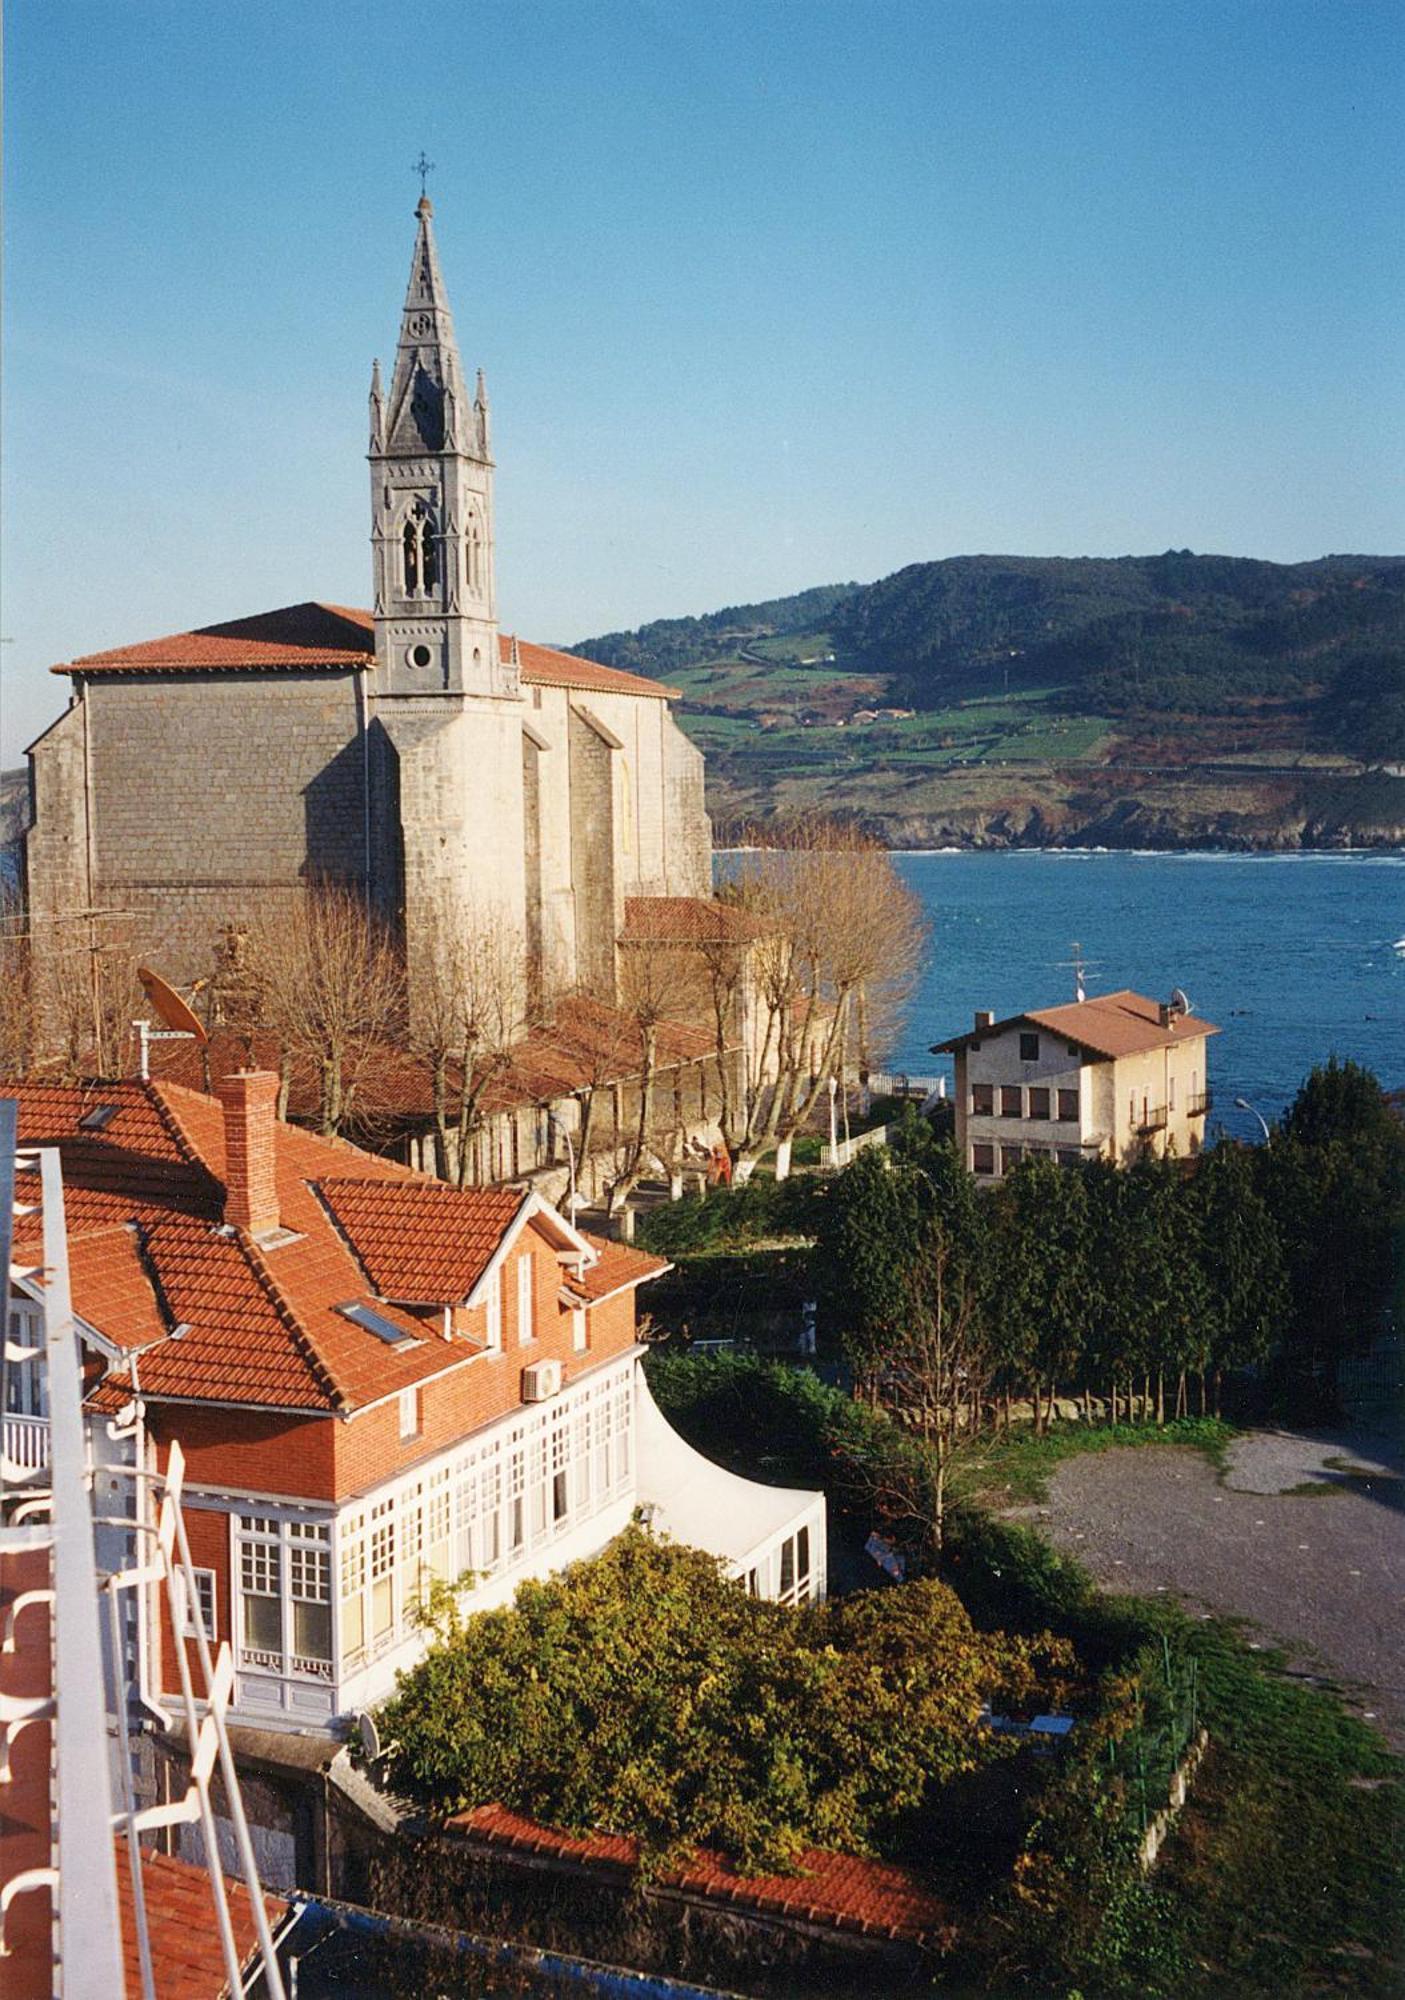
(207, 792)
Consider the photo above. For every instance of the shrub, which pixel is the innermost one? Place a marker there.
(645, 1693)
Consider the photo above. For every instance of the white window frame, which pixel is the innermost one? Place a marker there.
(203, 1604)
(586, 1436)
(409, 1403)
(493, 1309)
(291, 1545)
(526, 1316)
(26, 1382)
(578, 1330)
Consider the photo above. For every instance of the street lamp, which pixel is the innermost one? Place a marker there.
(1243, 1104)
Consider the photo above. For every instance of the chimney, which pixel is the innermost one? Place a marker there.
(984, 1018)
(1168, 1014)
(250, 1150)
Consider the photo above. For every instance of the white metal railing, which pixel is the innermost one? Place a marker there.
(26, 1442)
(80, 1877)
(844, 1150)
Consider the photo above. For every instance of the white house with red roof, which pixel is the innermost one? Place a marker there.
(377, 1381)
(463, 779)
(1111, 1077)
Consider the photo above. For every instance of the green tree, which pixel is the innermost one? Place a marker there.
(645, 1693)
(1041, 1277)
(1242, 1260)
(1335, 1180)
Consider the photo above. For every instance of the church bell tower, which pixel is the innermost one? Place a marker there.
(432, 506)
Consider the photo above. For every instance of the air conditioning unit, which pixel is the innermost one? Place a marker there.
(541, 1380)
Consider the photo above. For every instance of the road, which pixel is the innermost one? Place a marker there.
(1304, 1535)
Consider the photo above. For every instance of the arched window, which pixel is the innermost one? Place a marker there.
(421, 551)
(473, 548)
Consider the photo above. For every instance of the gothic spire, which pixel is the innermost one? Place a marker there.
(427, 359)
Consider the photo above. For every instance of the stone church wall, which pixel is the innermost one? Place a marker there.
(207, 794)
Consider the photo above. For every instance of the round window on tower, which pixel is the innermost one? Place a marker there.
(420, 656)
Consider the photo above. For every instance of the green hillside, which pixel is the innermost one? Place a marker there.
(1192, 699)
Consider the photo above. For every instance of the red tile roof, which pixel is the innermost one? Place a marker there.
(618, 1267)
(1110, 1024)
(877, 1898)
(185, 1947)
(423, 1245)
(232, 1319)
(312, 636)
(187, 1961)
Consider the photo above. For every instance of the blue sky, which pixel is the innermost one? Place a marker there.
(768, 295)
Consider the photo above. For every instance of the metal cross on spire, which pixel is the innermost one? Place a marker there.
(424, 168)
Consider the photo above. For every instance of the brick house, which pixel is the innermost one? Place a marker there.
(1110, 1078)
(376, 1381)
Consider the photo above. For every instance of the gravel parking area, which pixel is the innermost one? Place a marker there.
(1304, 1535)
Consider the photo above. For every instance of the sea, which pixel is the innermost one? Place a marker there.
(1294, 957)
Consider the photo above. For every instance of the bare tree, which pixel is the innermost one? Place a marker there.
(466, 1018)
(656, 984)
(331, 992)
(835, 942)
(68, 992)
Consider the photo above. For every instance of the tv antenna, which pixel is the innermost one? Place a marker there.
(1178, 1004)
(1080, 967)
(182, 1024)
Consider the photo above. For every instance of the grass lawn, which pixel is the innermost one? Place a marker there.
(1286, 1874)
(1015, 1470)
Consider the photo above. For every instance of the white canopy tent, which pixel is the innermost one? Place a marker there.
(771, 1537)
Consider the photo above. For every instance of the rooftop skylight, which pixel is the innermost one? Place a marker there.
(374, 1322)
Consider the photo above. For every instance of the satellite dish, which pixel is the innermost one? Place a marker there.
(369, 1734)
(1179, 1002)
(169, 1006)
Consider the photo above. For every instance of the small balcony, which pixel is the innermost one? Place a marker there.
(1199, 1103)
(26, 1444)
(1152, 1120)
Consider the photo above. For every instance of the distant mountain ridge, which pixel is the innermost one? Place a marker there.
(1067, 670)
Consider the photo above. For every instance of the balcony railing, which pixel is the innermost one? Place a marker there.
(1199, 1103)
(26, 1443)
(1153, 1120)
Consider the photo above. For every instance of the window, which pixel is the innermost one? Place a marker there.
(1010, 1100)
(1029, 1048)
(494, 1309)
(788, 1568)
(27, 1382)
(578, 1329)
(1171, 1093)
(375, 1322)
(982, 1159)
(526, 1330)
(353, 1592)
(410, 542)
(261, 1591)
(560, 1497)
(1010, 1157)
(802, 1559)
(982, 1100)
(310, 1588)
(1038, 1103)
(410, 1412)
(1069, 1156)
(200, 1607)
(1068, 1107)
(382, 1570)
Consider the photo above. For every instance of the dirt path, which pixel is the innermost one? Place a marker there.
(1320, 1569)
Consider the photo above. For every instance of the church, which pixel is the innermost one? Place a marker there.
(462, 778)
